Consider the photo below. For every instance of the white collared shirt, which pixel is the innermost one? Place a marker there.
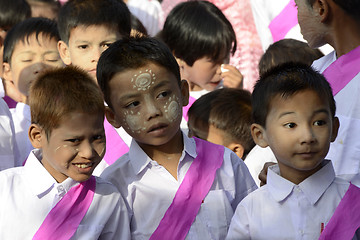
(149, 190)
(344, 152)
(22, 120)
(28, 193)
(283, 210)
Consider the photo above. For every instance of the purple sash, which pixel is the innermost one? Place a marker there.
(343, 70)
(346, 219)
(115, 146)
(186, 108)
(187, 201)
(284, 22)
(64, 219)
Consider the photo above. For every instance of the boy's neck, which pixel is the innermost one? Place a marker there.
(297, 176)
(167, 155)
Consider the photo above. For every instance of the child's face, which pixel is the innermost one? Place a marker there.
(29, 59)
(310, 24)
(75, 148)
(86, 45)
(147, 102)
(299, 130)
(203, 74)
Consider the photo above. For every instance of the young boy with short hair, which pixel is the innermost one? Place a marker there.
(223, 117)
(294, 114)
(55, 196)
(87, 28)
(30, 47)
(175, 187)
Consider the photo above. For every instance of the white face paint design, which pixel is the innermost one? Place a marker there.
(76, 150)
(172, 108)
(143, 81)
(134, 122)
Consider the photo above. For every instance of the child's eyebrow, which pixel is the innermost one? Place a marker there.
(322, 110)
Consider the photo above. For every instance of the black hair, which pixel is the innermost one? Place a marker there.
(132, 53)
(288, 50)
(23, 30)
(13, 12)
(286, 80)
(197, 29)
(111, 13)
(351, 7)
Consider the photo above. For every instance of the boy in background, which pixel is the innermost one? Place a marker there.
(294, 114)
(30, 48)
(55, 196)
(223, 117)
(175, 187)
(87, 28)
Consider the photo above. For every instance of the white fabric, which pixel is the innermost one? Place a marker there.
(28, 193)
(149, 12)
(149, 190)
(22, 120)
(256, 159)
(345, 151)
(283, 210)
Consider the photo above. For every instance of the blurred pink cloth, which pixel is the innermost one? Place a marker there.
(249, 49)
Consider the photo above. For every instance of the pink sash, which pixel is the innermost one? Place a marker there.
(346, 219)
(284, 22)
(343, 70)
(186, 108)
(115, 146)
(187, 201)
(64, 219)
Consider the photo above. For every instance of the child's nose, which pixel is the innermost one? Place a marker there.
(307, 136)
(151, 108)
(96, 54)
(86, 150)
(39, 67)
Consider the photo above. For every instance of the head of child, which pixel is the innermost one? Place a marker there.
(30, 47)
(88, 27)
(67, 124)
(288, 50)
(202, 39)
(44, 8)
(141, 83)
(223, 117)
(294, 114)
(315, 18)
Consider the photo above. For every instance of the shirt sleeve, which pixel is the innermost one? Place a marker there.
(239, 226)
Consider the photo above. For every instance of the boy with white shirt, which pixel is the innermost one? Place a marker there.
(294, 114)
(54, 195)
(30, 47)
(175, 187)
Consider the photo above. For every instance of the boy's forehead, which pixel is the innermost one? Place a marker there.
(42, 40)
(98, 31)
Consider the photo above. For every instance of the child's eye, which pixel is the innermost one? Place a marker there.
(290, 125)
(106, 45)
(99, 137)
(83, 46)
(52, 60)
(26, 60)
(132, 104)
(163, 94)
(73, 140)
(319, 123)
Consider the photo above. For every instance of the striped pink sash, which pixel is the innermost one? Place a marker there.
(284, 22)
(343, 70)
(186, 108)
(346, 219)
(64, 219)
(115, 146)
(198, 180)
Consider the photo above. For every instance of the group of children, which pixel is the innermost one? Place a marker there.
(167, 184)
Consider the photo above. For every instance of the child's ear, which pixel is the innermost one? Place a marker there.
(335, 129)
(7, 71)
(184, 87)
(63, 49)
(35, 135)
(237, 148)
(112, 119)
(259, 135)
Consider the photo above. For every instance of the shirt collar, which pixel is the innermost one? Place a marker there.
(39, 179)
(23, 110)
(139, 160)
(313, 187)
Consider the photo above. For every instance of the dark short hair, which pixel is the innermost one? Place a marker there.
(288, 50)
(197, 29)
(13, 12)
(227, 109)
(58, 92)
(111, 13)
(286, 80)
(23, 30)
(132, 53)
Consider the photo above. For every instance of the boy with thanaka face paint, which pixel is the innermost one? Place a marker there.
(165, 177)
(55, 187)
